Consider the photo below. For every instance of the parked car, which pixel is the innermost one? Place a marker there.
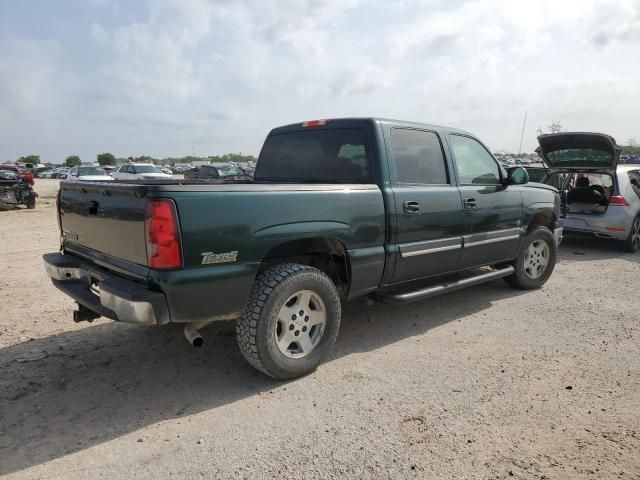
(179, 169)
(600, 196)
(15, 190)
(138, 171)
(51, 173)
(332, 214)
(226, 171)
(60, 172)
(249, 170)
(37, 171)
(27, 175)
(90, 174)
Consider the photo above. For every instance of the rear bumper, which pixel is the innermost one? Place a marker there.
(104, 293)
(615, 223)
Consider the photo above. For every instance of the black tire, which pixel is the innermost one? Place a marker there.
(31, 201)
(257, 329)
(632, 243)
(522, 278)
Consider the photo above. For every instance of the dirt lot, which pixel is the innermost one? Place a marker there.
(484, 383)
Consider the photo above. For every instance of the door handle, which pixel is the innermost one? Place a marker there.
(411, 206)
(470, 203)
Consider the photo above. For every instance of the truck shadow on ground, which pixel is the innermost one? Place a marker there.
(70, 391)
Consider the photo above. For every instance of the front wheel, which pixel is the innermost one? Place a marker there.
(291, 321)
(632, 243)
(536, 260)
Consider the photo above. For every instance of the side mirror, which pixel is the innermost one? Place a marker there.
(517, 176)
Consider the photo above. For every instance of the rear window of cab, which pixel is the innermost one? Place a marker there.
(316, 155)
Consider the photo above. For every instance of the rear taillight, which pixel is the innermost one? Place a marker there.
(618, 200)
(164, 250)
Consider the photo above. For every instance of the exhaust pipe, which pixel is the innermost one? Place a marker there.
(608, 236)
(192, 333)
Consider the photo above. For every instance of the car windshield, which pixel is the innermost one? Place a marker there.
(91, 171)
(147, 169)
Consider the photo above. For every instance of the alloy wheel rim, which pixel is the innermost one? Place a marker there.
(300, 324)
(536, 259)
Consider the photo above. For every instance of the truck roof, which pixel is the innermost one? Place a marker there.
(353, 122)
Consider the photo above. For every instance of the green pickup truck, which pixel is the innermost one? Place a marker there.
(337, 209)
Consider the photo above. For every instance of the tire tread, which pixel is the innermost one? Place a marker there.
(247, 325)
(518, 279)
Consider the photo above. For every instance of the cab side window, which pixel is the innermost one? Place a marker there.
(418, 157)
(475, 165)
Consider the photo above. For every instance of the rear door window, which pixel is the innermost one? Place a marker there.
(418, 157)
(316, 155)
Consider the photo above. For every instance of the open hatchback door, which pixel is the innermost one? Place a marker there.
(579, 151)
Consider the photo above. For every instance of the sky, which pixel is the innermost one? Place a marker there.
(171, 77)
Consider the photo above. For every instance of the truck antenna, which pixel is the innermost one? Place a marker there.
(522, 136)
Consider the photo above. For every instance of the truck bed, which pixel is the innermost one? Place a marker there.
(105, 223)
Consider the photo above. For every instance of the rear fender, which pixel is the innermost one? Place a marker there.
(278, 234)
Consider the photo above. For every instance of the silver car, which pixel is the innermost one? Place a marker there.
(602, 198)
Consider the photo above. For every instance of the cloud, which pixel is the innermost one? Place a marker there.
(28, 71)
(218, 75)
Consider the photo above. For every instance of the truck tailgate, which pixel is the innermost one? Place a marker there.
(106, 218)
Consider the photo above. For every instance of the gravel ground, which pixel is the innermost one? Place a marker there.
(484, 383)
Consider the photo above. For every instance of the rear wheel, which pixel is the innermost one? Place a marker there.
(632, 243)
(536, 260)
(291, 321)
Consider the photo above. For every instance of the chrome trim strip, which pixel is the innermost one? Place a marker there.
(484, 238)
(430, 242)
(427, 251)
(491, 240)
(487, 238)
(430, 246)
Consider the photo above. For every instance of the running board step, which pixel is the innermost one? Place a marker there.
(421, 294)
